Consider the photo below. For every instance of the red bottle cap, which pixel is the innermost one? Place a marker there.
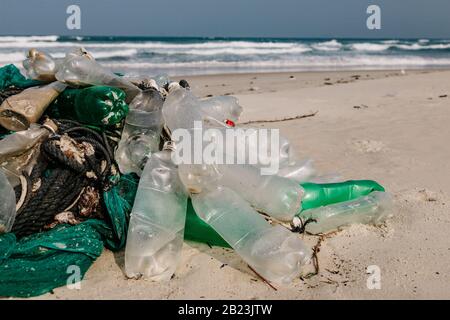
(230, 123)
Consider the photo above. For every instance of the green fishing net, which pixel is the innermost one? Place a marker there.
(10, 76)
(37, 264)
(119, 202)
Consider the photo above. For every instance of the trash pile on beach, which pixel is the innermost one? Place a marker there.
(87, 162)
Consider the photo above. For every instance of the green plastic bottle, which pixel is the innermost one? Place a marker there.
(97, 105)
(316, 195)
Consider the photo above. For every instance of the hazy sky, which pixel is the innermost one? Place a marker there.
(229, 18)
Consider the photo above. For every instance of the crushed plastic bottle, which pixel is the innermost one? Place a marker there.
(217, 110)
(272, 251)
(96, 105)
(141, 133)
(18, 111)
(79, 71)
(7, 204)
(148, 100)
(140, 138)
(276, 196)
(155, 233)
(41, 66)
(371, 209)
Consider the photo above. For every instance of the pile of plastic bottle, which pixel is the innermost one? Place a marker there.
(247, 209)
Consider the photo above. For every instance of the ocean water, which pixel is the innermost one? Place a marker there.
(190, 56)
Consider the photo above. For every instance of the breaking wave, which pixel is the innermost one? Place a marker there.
(182, 56)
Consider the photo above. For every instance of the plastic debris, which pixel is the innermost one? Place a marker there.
(155, 234)
(41, 66)
(199, 231)
(216, 110)
(276, 196)
(273, 251)
(78, 71)
(19, 111)
(371, 209)
(141, 133)
(70, 186)
(317, 195)
(97, 105)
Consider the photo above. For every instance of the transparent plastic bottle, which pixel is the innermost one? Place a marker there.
(79, 71)
(371, 209)
(276, 196)
(156, 229)
(140, 138)
(272, 251)
(141, 133)
(7, 205)
(40, 65)
(183, 102)
(148, 100)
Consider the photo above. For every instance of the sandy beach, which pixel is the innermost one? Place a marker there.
(389, 126)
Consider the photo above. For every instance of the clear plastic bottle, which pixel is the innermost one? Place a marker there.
(79, 71)
(40, 65)
(141, 133)
(371, 209)
(156, 229)
(272, 251)
(183, 102)
(276, 196)
(7, 205)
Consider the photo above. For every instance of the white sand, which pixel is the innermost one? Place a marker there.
(398, 136)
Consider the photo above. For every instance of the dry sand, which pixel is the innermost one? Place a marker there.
(393, 127)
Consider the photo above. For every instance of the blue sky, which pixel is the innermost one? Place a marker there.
(229, 18)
